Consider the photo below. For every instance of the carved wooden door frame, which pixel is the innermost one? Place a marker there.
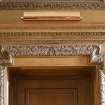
(7, 58)
(86, 42)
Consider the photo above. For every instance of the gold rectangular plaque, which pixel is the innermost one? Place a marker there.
(51, 15)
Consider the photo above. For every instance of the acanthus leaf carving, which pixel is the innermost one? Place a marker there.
(49, 50)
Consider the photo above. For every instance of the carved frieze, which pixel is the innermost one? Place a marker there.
(53, 50)
(55, 4)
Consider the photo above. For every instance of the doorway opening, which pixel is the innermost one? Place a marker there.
(73, 85)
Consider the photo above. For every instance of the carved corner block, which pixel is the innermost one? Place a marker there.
(97, 57)
(5, 57)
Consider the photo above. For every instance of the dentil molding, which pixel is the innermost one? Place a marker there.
(31, 38)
